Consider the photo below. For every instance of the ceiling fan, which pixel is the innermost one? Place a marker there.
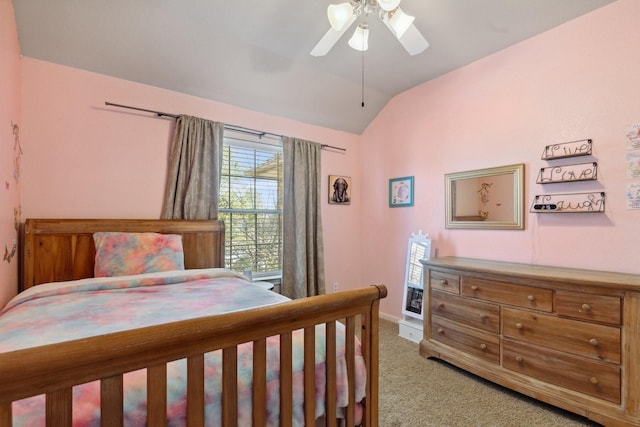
(343, 15)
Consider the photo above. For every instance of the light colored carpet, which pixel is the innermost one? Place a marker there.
(419, 392)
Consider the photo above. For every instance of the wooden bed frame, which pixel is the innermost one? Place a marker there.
(56, 250)
(60, 250)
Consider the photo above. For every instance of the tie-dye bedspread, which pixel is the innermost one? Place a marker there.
(63, 311)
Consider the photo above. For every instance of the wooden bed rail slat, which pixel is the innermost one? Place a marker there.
(157, 396)
(330, 405)
(229, 387)
(309, 375)
(259, 383)
(350, 353)
(111, 402)
(195, 391)
(5, 414)
(371, 350)
(286, 379)
(58, 408)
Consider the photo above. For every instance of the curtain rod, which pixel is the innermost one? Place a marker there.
(260, 134)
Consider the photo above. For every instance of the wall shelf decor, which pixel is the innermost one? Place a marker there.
(568, 173)
(563, 150)
(573, 202)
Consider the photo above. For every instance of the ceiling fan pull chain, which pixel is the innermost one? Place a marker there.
(363, 79)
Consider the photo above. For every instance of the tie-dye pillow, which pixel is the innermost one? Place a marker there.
(122, 254)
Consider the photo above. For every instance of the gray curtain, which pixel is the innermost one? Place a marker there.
(303, 251)
(193, 178)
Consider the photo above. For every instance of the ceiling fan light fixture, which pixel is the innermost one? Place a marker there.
(360, 38)
(339, 15)
(388, 5)
(343, 15)
(399, 22)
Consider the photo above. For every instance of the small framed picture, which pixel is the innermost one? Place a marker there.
(339, 190)
(401, 192)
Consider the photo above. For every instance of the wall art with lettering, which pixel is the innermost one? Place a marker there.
(568, 173)
(572, 202)
(581, 147)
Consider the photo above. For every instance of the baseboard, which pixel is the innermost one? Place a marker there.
(389, 317)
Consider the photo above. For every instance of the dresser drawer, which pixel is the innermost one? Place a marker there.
(444, 281)
(572, 336)
(481, 344)
(575, 373)
(479, 314)
(508, 293)
(596, 308)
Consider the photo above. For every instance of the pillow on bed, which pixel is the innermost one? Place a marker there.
(123, 254)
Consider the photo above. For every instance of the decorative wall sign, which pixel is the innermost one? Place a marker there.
(567, 149)
(633, 196)
(17, 151)
(633, 164)
(8, 255)
(401, 192)
(569, 173)
(633, 137)
(573, 202)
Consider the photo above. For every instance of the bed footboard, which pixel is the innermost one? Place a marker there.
(54, 369)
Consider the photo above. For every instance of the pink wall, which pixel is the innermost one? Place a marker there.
(9, 153)
(577, 81)
(88, 160)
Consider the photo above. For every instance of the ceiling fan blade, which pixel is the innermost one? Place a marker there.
(331, 38)
(412, 40)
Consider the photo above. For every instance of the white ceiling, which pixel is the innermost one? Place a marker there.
(254, 54)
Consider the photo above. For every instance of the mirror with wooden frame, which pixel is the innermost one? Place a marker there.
(491, 198)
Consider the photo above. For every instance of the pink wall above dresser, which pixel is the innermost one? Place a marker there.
(579, 80)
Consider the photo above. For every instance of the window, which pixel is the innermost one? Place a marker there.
(251, 205)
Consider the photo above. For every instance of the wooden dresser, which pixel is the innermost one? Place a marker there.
(568, 337)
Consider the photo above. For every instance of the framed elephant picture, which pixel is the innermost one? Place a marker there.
(339, 190)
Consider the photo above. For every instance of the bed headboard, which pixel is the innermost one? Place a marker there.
(55, 250)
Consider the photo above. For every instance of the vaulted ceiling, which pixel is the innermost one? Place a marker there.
(254, 54)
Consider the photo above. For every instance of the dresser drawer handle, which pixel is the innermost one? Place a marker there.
(474, 288)
(444, 282)
(594, 342)
(519, 359)
(483, 316)
(519, 325)
(440, 331)
(593, 380)
(586, 307)
(441, 304)
(483, 346)
(531, 298)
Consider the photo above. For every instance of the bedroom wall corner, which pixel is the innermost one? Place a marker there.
(10, 150)
(572, 82)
